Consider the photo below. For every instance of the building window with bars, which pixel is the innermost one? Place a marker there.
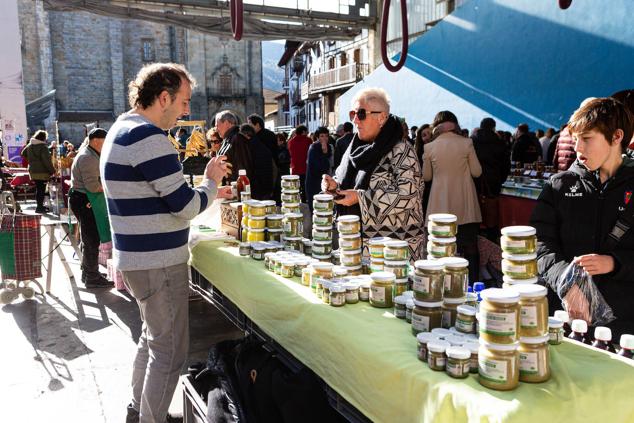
(225, 84)
(148, 50)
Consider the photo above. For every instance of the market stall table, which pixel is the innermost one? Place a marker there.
(369, 357)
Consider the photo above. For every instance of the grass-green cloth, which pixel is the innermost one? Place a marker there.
(99, 209)
(369, 357)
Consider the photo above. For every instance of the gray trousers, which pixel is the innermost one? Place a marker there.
(162, 295)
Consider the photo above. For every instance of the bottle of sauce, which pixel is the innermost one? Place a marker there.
(627, 346)
(564, 317)
(243, 182)
(579, 331)
(603, 339)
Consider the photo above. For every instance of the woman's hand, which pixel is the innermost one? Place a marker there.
(350, 197)
(328, 183)
(596, 264)
(576, 304)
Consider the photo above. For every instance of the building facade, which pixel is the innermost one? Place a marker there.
(82, 63)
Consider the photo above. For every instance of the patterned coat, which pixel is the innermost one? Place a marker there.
(391, 206)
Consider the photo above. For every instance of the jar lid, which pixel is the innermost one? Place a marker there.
(302, 261)
(351, 252)
(519, 257)
(289, 261)
(460, 300)
(555, 323)
(254, 204)
(410, 303)
(293, 215)
(472, 296)
(383, 276)
(350, 236)
(268, 202)
(579, 325)
(351, 285)
(530, 290)
(512, 281)
(323, 197)
(323, 257)
(337, 288)
(275, 216)
(627, 341)
(499, 347)
(562, 315)
(428, 265)
(318, 242)
(348, 218)
(293, 238)
(425, 337)
(256, 230)
(467, 310)
(322, 228)
(275, 231)
(290, 191)
(454, 262)
(455, 332)
(459, 353)
(245, 244)
(354, 268)
(307, 241)
(339, 271)
(443, 218)
(323, 265)
(259, 247)
(519, 231)
(438, 346)
(401, 281)
(472, 346)
(427, 304)
(322, 213)
(394, 263)
(290, 205)
(290, 177)
(399, 299)
(441, 240)
(364, 284)
(379, 240)
(396, 243)
(535, 339)
(408, 294)
(441, 332)
(602, 333)
(455, 340)
(257, 217)
(497, 295)
(376, 260)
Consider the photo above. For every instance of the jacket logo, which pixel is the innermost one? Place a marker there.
(573, 192)
(628, 197)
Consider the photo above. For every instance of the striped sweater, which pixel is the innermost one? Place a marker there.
(149, 202)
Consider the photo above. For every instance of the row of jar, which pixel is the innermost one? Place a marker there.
(519, 260)
(442, 230)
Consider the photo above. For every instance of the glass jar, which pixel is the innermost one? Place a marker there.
(450, 310)
(323, 218)
(400, 286)
(288, 268)
(456, 277)
(339, 272)
(256, 209)
(244, 249)
(351, 258)
(256, 235)
(323, 203)
(326, 257)
(519, 266)
(274, 221)
(474, 348)
(423, 339)
(364, 291)
(322, 270)
(349, 224)
(322, 248)
(465, 319)
(290, 208)
(498, 365)
(274, 235)
(442, 225)
(510, 282)
(533, 309)
(292, 244)
(458, 362)
(337, 295)
(267, 260)
(441, 247)
(499, 317)
(290, 182)
(307, 275)
(354, 270)
(271, 209)
(436, 358)
(258, 251)
(257, 223)
(409, 309)
(322, 233)
(376, 265)
(399, 306)
(534, 359)
(352, 292)
(245, 196)
(519, 240)
(396, 250)
(319, 286)
(325, 293)
(293, 225)
(308, 246)
(555, 331)
(376, 245)
(442, 333)
(291, 196)
(245, 208)
(426, 316)
(350, 242)
(399, 268)
(428, 280)
(472, 299)
(381, 289)
(301, 263)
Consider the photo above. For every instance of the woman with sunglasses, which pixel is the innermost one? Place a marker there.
(213, 142)
(379, 178)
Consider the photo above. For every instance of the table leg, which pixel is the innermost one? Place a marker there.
(73, 241)
(50, 230)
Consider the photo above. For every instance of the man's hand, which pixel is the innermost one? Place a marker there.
(576, 303)
(216, 169)
(328, 183)
(350, 197)
(596, 264)
(224, 192)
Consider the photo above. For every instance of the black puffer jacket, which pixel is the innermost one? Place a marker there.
(495, 159)
(573, 217)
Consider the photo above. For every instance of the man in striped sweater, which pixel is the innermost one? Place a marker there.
(150, 206)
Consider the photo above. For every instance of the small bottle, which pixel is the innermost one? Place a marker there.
(564, 317)
(243, 182)
(603, 339)
(579, 331)
(477, 288)
(627, 346)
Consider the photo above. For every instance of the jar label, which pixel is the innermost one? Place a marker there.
(441, 230)
(448, 283)
(378, 294)
(502, 324)
(337, 299)
(457, 369)
(473, 363)
(352, 296)
(321, 220)
(446, 319)
(464, 326)
(492, 370)
(555, 336)
(438, 250)
(399, 312)
(422, 352)
(513, 268)
(529, 364)
(420, 323)
(364, 295)
(421, 284)
(435, 361)
(321, 249)
(508, 243)
(347, 243)
(528, 317)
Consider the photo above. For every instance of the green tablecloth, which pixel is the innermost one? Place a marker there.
(369, 357)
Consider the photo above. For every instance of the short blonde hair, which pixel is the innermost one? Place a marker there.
(377, 96)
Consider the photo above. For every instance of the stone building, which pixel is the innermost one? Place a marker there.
(77, 65)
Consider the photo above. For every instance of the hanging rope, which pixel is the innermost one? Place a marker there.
(564, 4)
(237, 19)
(404, 42)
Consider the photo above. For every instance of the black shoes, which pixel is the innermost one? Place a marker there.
(132, 416)
(99, 282)
(42, 210)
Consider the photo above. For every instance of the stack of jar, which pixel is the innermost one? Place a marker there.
(350, 245)
(396, 260)
(519, 246)
(323, 218)
(375, 248)
(293, 220)
(253, 221)
(274, 228)
(290, 194)
(442, 228)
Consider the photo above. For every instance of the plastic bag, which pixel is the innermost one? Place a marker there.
(581, 298)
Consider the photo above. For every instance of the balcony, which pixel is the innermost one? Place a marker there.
(305, 90)
(341, 77)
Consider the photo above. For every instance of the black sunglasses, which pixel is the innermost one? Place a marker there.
(361, 114)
